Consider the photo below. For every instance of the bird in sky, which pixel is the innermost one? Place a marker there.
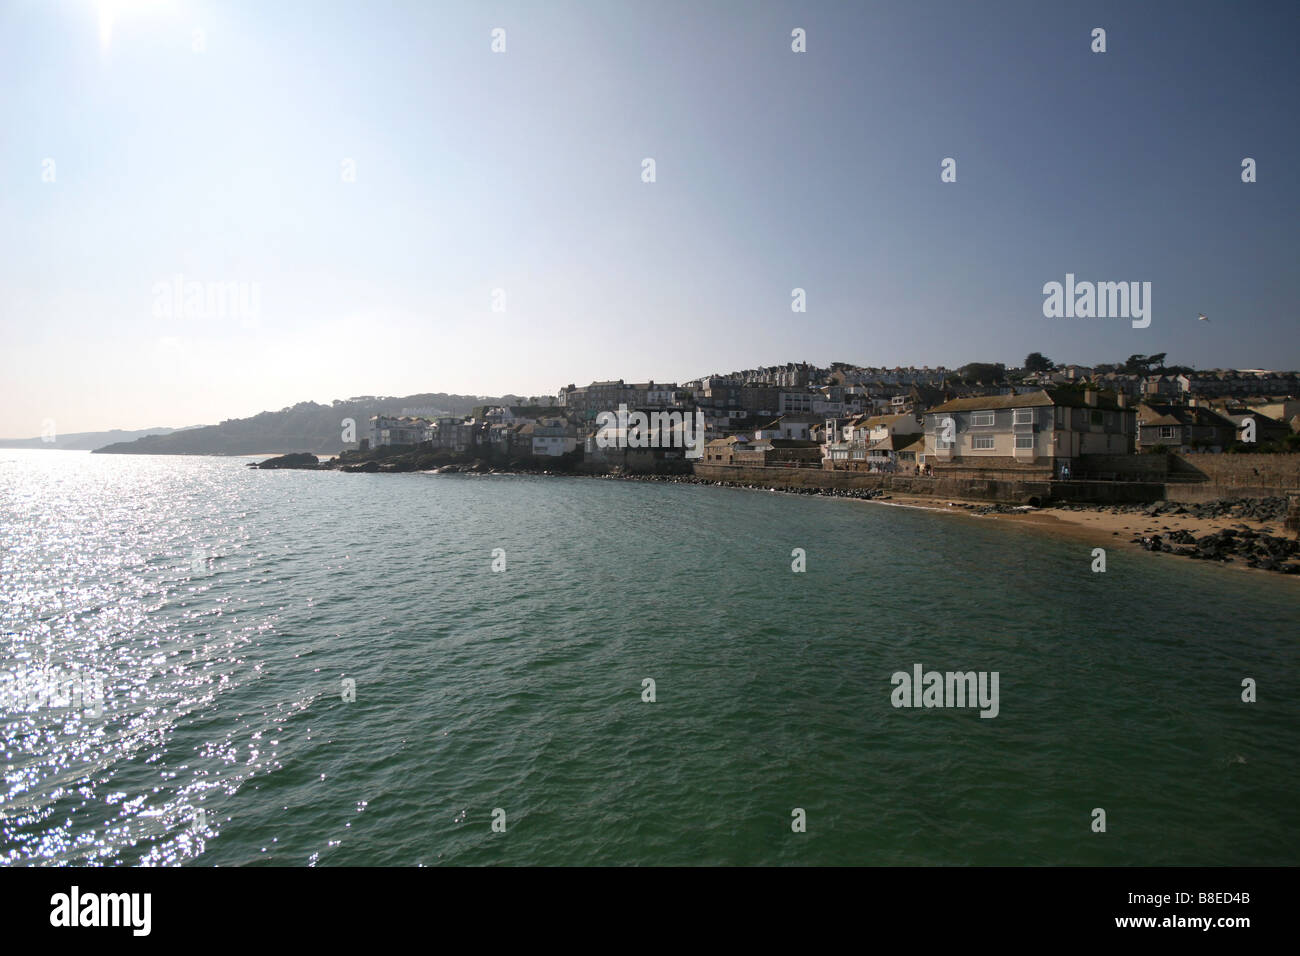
(1201, 317)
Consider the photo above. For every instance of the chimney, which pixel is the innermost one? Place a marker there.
(1122, 398)
(1090, 397)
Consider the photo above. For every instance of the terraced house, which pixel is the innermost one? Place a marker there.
(1041, 434)
(1184, 427)
(398, 430)
(879, 443)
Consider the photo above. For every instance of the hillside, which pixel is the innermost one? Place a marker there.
(84, 441)
(305, 427)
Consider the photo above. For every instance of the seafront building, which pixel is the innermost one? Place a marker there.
(1044, 433)
(1202, 426)
(397, 430)
(887, 443)
(551, 439)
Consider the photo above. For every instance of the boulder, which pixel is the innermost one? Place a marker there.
(298, 460)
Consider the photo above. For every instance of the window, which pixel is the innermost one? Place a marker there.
(1167, 431)
(982, 442)
(1022, 416)
(981, 418)
(1024, 441)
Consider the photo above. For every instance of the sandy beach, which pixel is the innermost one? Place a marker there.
(1102, 528)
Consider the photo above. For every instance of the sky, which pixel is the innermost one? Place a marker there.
(400, 209)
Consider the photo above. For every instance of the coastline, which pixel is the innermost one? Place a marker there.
(1104, 528)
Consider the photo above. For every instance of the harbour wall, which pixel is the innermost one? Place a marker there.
(1004, 491)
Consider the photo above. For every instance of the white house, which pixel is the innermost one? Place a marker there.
(553, 439)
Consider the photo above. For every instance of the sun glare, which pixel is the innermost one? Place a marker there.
(111, 11)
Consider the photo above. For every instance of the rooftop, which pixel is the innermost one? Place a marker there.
(1067, 397)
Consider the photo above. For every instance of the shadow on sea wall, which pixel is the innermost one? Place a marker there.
(1009, 491)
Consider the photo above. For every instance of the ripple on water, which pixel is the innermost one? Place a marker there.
(223, 608)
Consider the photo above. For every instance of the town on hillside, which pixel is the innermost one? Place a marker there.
(1042, 422)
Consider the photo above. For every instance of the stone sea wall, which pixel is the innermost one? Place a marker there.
(1006, 491)
(1230, 472)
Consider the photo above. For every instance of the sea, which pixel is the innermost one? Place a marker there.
(205, 664)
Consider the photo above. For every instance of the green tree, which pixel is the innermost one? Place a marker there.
(1145, 364)
(1038, 362)
(983, 372)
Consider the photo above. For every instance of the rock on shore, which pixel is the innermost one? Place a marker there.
(1245, 509)
(1259, 550)
(300, 459)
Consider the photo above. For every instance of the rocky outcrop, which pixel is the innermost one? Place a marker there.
(1255, 549)
(300, 459)
(396, 459)
(1245, 509)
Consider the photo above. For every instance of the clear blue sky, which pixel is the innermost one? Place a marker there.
(522, 171)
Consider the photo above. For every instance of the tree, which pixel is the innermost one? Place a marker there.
(1038, 362)
(986, 372)
(1145, 364)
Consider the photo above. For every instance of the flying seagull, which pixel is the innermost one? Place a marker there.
(1201, 317)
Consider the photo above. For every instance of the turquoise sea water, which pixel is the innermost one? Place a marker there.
(522, 689)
